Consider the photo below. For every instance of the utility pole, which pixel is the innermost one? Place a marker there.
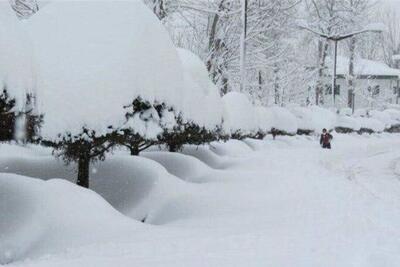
(396, 59)
(243, 47)
(334, 74)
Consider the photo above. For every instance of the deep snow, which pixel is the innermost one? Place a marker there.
(254, 203)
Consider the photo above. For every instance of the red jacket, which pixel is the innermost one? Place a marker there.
(325, 139)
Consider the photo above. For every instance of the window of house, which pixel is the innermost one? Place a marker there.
(375, 90)
(328, 89)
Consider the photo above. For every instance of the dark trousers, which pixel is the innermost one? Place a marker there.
(326, 146)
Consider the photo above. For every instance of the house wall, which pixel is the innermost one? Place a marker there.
(365, 98)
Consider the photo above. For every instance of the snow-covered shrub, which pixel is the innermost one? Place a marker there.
(203, 105)
(347, 124)
(395, 116)
(7, 116)
(304, 118)
(383, 117)
(264, 121)
(240, 119)
(284, 122)
(16, 79)
(370, 125)
(188, 133)
(93, 67)
(14, 122)
(145, 124)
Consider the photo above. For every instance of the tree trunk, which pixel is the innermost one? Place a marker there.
(134, 150)
(172, 147)
(323, 51)
(351, 99)
(83, 169)
(276, 85)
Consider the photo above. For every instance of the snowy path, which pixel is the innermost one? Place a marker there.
(287, 204)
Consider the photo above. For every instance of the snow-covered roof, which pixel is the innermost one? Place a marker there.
(364, 68)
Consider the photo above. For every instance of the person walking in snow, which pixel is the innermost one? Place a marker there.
(274, 132)
(326, 139)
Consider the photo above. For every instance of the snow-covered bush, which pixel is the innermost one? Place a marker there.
(188, 133)
(395, 116)
(145, 124)
(370, 125)
(264, 121)
(7, 116)
(304, 117)
(284, 122)
(16, 79)
(383, 117)
(200, 122)
(239, 116)
(347, 124)
(14, 123)
(93, 68)
(16, 66)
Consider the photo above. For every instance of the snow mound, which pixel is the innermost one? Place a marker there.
(16, 68)
(43, 217)
(283, 120)
(186, 167)
(132, 185)
(200, 92)
(204, 154)
(231, 148)
(239, 114)
(94, 65)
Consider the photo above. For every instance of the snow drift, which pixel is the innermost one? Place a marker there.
(132, 185)
(40, 217)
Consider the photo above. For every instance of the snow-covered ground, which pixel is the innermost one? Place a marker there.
(253, 203)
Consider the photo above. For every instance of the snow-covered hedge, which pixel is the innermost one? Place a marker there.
(239, 115)
(347, 124)
(283, 121)
(383, 117)
(264, 119)
(370, 125)
(202, 104)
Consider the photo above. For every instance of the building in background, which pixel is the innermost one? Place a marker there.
(375, 83)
